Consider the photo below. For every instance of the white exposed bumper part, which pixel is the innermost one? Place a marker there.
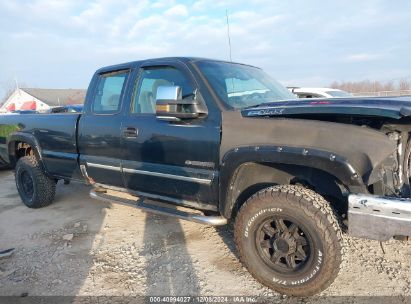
(378, 218)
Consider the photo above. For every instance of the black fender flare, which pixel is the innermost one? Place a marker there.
(329, 162)
(28, 139)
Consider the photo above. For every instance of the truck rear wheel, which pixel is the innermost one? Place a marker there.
(289, 239)
(36, 189)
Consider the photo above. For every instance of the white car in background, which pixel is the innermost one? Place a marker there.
(318, 92)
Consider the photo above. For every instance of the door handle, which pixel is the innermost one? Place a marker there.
(130, 132)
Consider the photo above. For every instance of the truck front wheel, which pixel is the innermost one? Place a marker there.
(289, 239)
(36, 189)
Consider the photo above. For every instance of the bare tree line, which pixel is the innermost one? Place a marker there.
(368, 86)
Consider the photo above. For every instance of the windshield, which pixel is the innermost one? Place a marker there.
(339, 93)
(241, 86)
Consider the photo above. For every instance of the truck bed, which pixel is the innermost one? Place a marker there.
(54, 134)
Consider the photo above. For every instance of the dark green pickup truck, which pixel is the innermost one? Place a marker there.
(226, 142)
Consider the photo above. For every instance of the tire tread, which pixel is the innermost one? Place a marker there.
(320, 211)
(46, 186)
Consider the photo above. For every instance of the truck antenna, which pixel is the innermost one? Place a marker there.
(228, 33)
(229, 46)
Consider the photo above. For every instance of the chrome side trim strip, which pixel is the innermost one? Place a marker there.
(203, 181)
(172, 176)
(100, 166)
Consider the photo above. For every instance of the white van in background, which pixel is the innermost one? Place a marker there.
(318, 92)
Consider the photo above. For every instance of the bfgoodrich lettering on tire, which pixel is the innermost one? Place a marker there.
(289, 238)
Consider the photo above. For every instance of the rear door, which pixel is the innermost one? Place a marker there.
(100, 128)
(177, 160)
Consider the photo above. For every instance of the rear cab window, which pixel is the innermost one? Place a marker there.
(109, 92)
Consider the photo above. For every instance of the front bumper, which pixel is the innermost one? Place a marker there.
(378, 218)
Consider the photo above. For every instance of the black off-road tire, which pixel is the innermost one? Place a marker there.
(36, 189)
(268, 258)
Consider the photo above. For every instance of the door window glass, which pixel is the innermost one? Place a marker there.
(144, 100)
(109, 91)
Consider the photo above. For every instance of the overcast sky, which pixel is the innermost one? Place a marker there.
(58, 44)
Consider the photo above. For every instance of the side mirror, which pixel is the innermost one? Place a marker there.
(171, 106)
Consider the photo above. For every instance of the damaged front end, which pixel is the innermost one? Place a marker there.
(386, 212)
(373, 135)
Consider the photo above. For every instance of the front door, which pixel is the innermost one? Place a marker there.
(176, 160)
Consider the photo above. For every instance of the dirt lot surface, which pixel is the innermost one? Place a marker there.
(79, 246)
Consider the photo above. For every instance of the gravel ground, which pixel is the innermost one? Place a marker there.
(79, 246)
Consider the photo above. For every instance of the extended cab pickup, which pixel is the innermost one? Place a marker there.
(209, 141)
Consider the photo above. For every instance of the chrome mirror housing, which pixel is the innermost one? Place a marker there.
(171, 106)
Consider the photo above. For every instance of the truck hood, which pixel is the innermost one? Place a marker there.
(390, 107)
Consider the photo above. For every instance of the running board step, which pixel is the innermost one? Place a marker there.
(158, 209)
